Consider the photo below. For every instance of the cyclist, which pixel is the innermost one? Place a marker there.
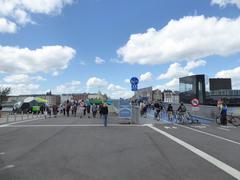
(170, 112)
(158, 107)
(182, 111)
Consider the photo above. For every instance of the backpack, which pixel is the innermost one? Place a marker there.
(183, 108)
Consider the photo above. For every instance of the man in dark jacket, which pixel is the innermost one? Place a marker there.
(104, 112)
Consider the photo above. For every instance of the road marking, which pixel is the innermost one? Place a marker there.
(7, 167)
(2, 153)
(7, 125)
(200, 127)
(209, 134)
(166, 127)
(174, 127)
(229, 127)
(75, 125)
(223, 129)
(221, 165)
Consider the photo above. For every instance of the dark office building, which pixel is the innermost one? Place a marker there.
(220, 84)
(192, 87)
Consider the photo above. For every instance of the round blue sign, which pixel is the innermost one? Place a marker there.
(134, 80)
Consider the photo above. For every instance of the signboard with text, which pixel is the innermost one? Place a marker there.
(195, 104)
(125, 110)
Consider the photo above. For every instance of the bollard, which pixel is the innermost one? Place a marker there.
(7, 118)
(135, 115)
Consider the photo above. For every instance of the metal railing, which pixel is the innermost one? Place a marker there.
(9, 118)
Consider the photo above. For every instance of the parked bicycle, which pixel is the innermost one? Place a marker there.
(234, 120)
(186, 118)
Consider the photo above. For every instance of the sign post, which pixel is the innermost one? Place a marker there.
(134, 83)
(195, 104)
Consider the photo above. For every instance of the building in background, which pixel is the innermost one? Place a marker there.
(220, 84)
(157, 95)
(98, 96)
(74, 96)
(170, 96)
(145, 94)
(192, 87)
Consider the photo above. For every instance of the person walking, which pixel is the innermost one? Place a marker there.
(81, 108)
(170, 112)
(224, 114)
(104, 112)
(94, 110)
(55, 110)
(100, 110)
(68, 107)
(88, 107)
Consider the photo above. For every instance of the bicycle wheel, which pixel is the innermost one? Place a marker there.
(235, 121)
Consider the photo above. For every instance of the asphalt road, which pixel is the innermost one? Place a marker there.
(72, 148)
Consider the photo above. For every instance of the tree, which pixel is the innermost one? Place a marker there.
(4, 91)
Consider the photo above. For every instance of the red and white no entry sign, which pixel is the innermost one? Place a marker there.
(195, 102)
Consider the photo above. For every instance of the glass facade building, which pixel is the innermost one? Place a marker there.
(192, 87)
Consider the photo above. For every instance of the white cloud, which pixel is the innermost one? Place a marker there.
(231, 73)
(22, 88)
(188, 38)
(20, 11)
(22, 17)
(194, 64)
(46, 59)
(95, 82)
(116, 92)
(7, 26)
(224, 3)
(115, 60)
(176, 70)
(82, 63)
(21, 78)
(173, 85)
(69, 87)
(99, 60)
(146, 77)
(127, 81)
(55, 73)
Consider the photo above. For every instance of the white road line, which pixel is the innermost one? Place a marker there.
(209, 134)
(7, 167)
(2, 153)
(4, 125)
(75, 125)
(221, 165)
(223, 129)
(7, 125)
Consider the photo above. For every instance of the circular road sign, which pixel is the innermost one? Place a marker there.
(134, 80)
(195, 102)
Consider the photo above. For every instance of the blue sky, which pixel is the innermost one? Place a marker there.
(88, 45)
